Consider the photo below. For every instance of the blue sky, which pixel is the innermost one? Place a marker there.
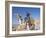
(35, 12)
